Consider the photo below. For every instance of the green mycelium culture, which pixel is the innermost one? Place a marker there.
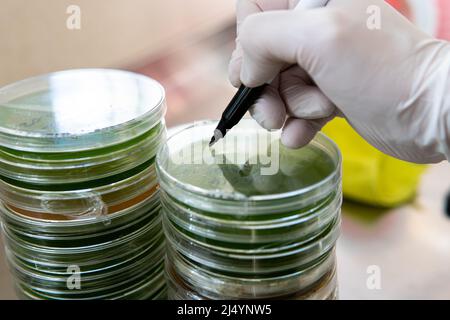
(79, 170)
(297, 169)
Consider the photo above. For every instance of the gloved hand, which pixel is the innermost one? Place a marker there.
(391, 84)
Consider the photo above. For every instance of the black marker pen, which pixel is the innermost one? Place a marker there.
(235, 111)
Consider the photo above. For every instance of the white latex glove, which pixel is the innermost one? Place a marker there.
(391, 84)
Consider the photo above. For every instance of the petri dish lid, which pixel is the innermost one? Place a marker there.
(249, 164)
(78, 110)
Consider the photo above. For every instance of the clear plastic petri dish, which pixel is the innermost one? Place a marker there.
(248, 211)
(319, 283)
(78, 110)
(57, 247)
(216, 285)
(86, 202)
(86, 225)
(149, 284)
(70, 168)
(278, 259)
(239, 179)
(121, 273)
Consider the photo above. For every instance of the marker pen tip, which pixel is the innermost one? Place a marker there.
(213, 141)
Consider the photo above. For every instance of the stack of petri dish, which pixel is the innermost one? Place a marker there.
(78, 187)
(249, 218)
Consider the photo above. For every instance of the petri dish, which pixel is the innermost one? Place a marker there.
(78, 110)
(69, 168)
(81, 203)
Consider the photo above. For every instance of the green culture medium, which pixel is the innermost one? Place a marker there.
(235, 231)
(79, 194)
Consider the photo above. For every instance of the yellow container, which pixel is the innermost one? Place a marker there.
(370, 176)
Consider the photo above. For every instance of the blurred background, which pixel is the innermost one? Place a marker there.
(394, 216)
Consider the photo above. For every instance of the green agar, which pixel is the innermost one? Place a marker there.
(298, 169)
